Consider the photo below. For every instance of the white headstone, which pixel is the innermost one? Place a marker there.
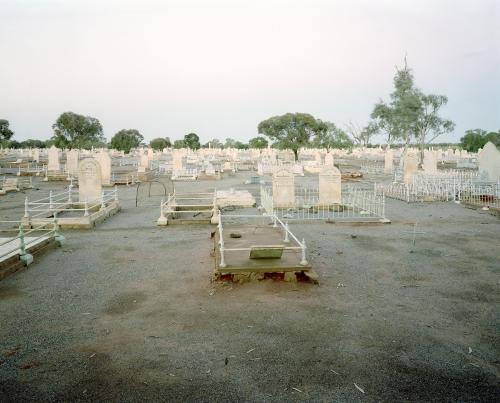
(489, 162)
(105, 162)
(72, 162)
(430, 162)
(388, 161)
(410, 166)
(36, 155)
(53, 159)
(329, 159)
(330, 186)
(283, 188)
(89, 180)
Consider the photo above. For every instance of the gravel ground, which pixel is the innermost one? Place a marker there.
(126, 312)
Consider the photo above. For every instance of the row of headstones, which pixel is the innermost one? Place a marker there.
(330, 187)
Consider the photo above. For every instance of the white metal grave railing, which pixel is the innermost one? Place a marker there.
(17, 240)
(63, 202)
(356, 205)
(431, 188)
(290, 245)
(485, 195)
(189, 202)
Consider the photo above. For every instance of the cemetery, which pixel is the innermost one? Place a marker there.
(250, 201)
(358, 242)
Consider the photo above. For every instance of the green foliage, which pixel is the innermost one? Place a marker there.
(290, 131)
(398, 118)
(179, 144)
(411, 114)
(5, 132)
(214, 143)
(240, 146)
(32, 143)
(126, 139)
(230, 143)
(331, 136)
(192, 141)
(477, 138)
(258, 142)
(160, 143)
(72, 130)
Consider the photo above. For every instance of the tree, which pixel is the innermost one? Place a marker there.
(179, 144)
(214, 143)
(258, 142)
(33, 143)
(240, 146)
(429, 123)
(332, 136)
(411, 114)
(290, 131)
(192, 141)
(160, 143)
(5, 132)
(230, 143)
(398, 118)
(362, 136)
(72, 130)
(126, 139)
(477, 138)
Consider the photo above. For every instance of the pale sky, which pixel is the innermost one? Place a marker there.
(218, 68)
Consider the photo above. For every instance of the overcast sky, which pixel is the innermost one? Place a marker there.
(218, 68)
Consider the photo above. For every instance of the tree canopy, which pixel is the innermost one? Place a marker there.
(192, 141)
(290, 131)
(72, 130)
(331, 136)
(477, 138)
(179, 144)
(411, 114)
(160, 143)
(5, 132)
(258, 142)
(126, 139)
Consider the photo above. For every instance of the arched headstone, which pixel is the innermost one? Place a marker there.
(283, 188)
(89, 180)
(330, 186)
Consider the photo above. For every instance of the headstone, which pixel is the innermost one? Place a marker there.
(53, 159)
(330, 186)
(36, 155)
(143, 163)
(388, 161)
(89, 180)
(430, 162)
(72, 162)
(410, 166)
(329, 159)
(105, 162)
(176, 161)
(489, 162)
(283, 188)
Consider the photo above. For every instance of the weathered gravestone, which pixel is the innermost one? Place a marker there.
(410, 166)
(489, 162)
(388, 161)
(330, 186)
(72, 162)
(430, 162)
(105, 162)
(36, 155)
(329, 159)
(53, 159)
(283, 188)
(89, 180)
